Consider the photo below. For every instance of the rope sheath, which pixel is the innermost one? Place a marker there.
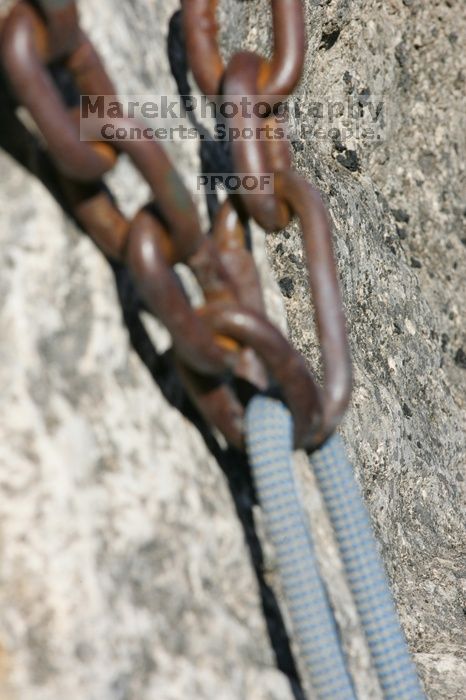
(269, 438)
(365, 572)
(269, 432)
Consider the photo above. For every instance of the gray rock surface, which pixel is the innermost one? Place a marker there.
(125, 574)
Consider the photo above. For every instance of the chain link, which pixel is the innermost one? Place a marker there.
(229, 339)
(277, 77)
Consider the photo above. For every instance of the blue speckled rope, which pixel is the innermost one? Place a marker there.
(269, 438)
(270, 447)
(365, 572)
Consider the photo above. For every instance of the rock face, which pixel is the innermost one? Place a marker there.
(126, 573)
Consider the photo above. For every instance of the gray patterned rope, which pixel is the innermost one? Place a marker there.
(365, 572)
(269, 432)
(270, 448)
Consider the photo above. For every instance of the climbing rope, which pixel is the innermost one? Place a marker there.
(269, 434)
(270, 449)
(364, 571)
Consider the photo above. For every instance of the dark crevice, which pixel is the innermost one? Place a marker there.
(329, 39)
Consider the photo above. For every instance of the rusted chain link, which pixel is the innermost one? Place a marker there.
(229, 338)
(316, 411)
(276, 77)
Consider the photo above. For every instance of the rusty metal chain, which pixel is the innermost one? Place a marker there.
(229, 339)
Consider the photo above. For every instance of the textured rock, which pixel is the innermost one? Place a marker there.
(125, 574)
